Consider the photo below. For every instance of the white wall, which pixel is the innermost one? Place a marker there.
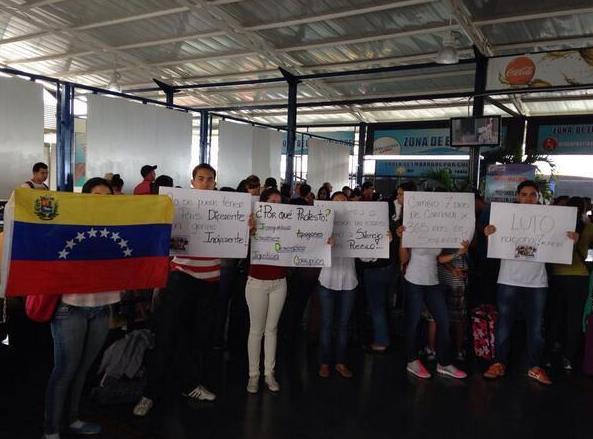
(21, 131)
(123, 136)
(328, 162)
(244, 150)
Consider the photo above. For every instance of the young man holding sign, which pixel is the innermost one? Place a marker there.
(521, 282)
(184, 321)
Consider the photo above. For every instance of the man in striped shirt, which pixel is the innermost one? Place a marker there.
(185, 319)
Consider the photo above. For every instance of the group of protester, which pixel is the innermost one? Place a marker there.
(436, 284)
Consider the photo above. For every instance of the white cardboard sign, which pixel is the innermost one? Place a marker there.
(209, 223)
(292, 236)
(360, 228)
(438, 219)
(531, 232)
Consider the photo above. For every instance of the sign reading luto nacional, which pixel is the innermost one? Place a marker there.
(531, 232)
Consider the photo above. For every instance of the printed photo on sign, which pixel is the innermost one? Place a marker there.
(292, 236)
(530, 232)
(360, 228)
(438, 220)
(209, 223)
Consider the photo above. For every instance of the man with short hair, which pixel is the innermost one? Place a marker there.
(521, 284)
(185, 319)
(40, 174)
(304, 192)
(145, 186)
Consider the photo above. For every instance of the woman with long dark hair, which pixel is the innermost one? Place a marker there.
(79, 329)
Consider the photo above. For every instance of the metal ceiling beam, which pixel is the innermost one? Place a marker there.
(581, 41)
(122, 20)
(464, 18)
(536, 16)
(139, 45)
(177, 61)
(10, 10)
(336, 15)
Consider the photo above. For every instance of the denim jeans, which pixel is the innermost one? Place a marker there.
(331, 302)
(79, 334)
(434, 298)
(376, 284)
(532, 301)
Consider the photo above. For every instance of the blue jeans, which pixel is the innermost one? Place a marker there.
(79, 334)
(532, 301)
(434, 298)
(376, 284)
(332, 300)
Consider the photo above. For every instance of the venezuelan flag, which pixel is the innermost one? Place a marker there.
(60, 242)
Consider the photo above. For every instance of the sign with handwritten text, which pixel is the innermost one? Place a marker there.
(438, 219)
(209, 223)
(292, 236)
(360, 228)
(531, 232)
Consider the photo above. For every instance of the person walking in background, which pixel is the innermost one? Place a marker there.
(149, 175)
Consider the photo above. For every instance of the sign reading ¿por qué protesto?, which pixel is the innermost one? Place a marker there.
(292, 236)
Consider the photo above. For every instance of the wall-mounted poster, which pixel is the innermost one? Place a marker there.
(544, 69)
(560, 135)
(502, 181)
(418, 138)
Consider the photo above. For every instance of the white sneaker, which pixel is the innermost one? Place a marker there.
(253, 384)
(143, 406)
(201, 394)
(272, 384)
(451, 371)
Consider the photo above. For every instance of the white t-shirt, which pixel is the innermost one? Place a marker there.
(35, 185)
(341, 276)
(523, 274)
(423, 266)
(92, 299)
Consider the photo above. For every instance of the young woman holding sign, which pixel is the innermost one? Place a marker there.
(79, 328)
(422, 287)
(337, 287)
(265, 293)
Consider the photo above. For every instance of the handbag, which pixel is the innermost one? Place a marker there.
(41, 308)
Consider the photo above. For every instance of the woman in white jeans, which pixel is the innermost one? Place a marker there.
(265, 293)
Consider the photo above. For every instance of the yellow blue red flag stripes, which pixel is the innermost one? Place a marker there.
(59, 243)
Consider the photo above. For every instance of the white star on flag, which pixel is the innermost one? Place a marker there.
(104, 233)
(115, 236)
(92, 233)
(128, 252)
(123, 243)
(63, 254)
(70, 244)
(80, 237)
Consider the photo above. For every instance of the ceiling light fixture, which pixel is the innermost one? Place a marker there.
(114, 84)
(448, 53)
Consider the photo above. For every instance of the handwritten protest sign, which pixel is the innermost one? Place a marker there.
(209, 223)
(530, 232)
(360, 228)
(292, 236)
(438, 219)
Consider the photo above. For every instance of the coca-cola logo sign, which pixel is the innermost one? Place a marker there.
(520, 71)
